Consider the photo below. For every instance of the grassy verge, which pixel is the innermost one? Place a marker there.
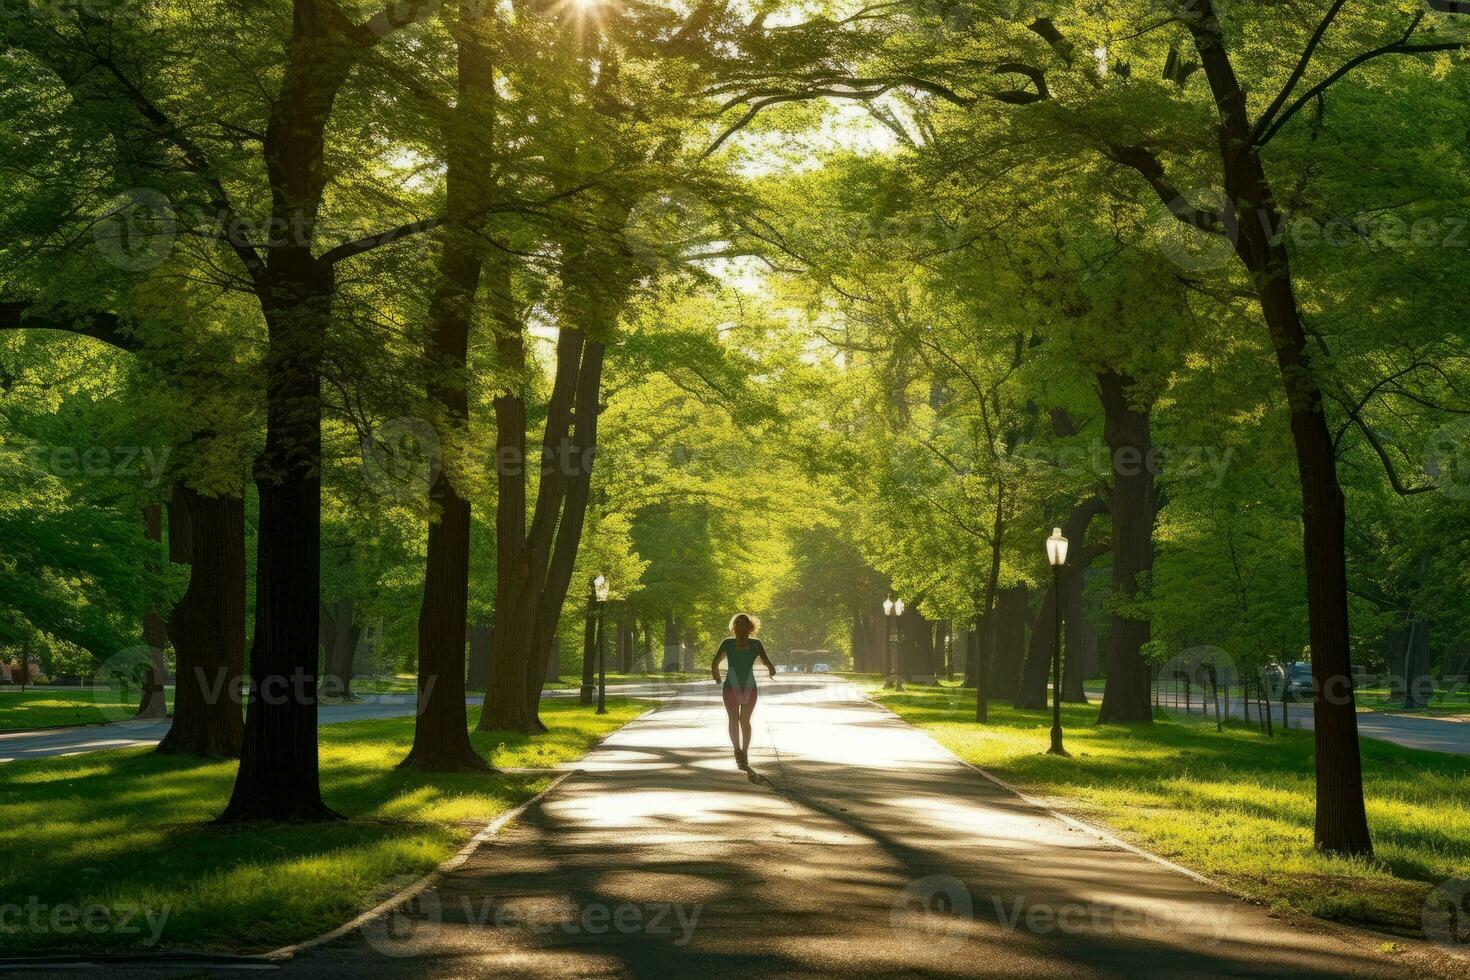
(39, 707)
(566, 681)
(1234, 805)
(127, 832)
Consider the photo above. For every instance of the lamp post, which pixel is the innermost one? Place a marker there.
(599, 598)
(1056, 555)
(892, 611)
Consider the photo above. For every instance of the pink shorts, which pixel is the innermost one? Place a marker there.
(737, 696)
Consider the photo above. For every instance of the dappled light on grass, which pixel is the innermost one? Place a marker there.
(129, 829)
(1235, 805)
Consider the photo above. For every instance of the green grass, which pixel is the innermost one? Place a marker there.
(40, 707)
(619, 677)
(128, 829)
(1237, 806)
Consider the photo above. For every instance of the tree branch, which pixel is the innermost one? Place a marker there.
(106, 327)
(1401, 46)
(1298, 71)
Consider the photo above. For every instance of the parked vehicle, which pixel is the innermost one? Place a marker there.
(820, 668)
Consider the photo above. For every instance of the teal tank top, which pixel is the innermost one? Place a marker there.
(740, 662)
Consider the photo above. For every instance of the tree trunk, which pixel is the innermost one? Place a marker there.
(589, 655)
(339, 635)
(441, 741)
(1074, 670)
(671, 643)
(207, 625)
(480, 653)
(278, 778)
(1341, 819)
(153, 703)
(1031, 693)
(536, 564)
(1418, 682)
(1126, 431)
(1010, 641)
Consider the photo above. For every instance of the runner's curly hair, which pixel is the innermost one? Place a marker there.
(743, 625)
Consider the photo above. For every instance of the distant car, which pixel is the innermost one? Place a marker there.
(1299, 684)
(820, 669)
(784, 668)
(1292, 681)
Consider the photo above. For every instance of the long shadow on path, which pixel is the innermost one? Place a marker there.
(856, 848)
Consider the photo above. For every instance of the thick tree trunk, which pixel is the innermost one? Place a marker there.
(441, 741)
(207, 625)
(671, 643)
(1341, 819)
(278, 775)
(339, 636)
(536, 564)
(1126, 431)
(153, 702)
(1011, 614)
(480, 654)
(278, 778)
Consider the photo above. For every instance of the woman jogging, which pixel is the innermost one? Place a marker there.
(741, 651)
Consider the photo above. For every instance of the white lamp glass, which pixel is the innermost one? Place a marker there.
(888, 607)
(599, 587)
(1056, 548)
(898, 607)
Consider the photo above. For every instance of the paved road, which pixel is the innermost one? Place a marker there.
(1410, 731)
(124, 734)
(862, 848)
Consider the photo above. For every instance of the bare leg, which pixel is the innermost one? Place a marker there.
(732, 713)
(745, 727)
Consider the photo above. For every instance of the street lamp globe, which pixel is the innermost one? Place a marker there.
(898, 607)
(599, 588)
(888, 607)
(1056, 548)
